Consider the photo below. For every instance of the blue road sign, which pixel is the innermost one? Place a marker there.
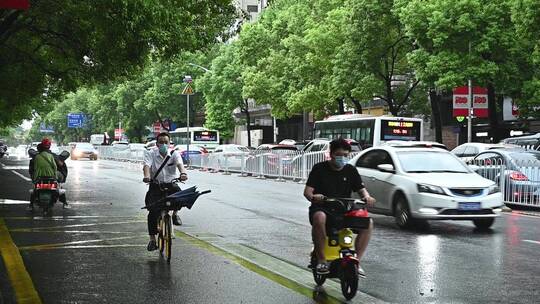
(45, 129)
(76, 120)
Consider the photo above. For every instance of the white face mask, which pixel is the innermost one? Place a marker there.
(340, 161)
(163, 149)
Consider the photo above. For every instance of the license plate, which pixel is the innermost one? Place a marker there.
(469, 206)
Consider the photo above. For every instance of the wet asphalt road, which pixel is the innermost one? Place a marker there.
(94, 252)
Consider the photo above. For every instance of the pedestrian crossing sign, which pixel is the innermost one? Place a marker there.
(188, 90)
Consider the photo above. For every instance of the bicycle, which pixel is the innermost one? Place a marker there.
(173, 202)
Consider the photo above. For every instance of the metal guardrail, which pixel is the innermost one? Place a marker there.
(519, 181)
(282, 164)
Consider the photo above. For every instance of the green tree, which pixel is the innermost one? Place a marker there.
(444, 29)
(222, 89)
(526, 17)
(60, 45)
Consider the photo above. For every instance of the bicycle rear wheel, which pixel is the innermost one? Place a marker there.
(167, 236)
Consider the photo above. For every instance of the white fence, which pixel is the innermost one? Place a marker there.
(519, 181)
(292, 165)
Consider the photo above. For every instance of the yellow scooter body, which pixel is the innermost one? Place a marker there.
(333, 247)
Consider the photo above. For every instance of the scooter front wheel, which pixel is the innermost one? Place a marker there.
(349, 281)
(319, 278)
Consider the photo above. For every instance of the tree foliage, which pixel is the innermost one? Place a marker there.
(60, 45)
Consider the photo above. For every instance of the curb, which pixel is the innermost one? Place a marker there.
(506, 209)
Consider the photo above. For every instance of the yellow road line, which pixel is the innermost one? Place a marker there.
(21, 282)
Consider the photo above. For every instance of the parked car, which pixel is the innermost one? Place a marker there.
(531, 141)
(466, 152)
(419, 183)
(83, 150)
(270, 155)
(518, 169)
(195, 153)
(229, 156)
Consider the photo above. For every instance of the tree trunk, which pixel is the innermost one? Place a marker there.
(357, 105)
(494, 131)
(434, 99)
(341, 105)
(248, 121)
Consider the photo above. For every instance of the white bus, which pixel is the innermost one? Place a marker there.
(199, 136)
(370, 131)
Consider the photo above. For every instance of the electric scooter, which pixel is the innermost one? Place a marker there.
(345, 217)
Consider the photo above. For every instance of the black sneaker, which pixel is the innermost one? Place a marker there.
(176, 220)
(322, 268)
(152, 246)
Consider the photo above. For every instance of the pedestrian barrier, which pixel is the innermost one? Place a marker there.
(518, 180)
(277, 164)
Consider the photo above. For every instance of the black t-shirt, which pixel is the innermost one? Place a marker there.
(332, 183)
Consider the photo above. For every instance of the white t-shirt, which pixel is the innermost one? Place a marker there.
(153, 159)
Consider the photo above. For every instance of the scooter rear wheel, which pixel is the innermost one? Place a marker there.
(349, 281)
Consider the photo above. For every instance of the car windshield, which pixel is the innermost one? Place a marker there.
(85, 146)
(430, 161)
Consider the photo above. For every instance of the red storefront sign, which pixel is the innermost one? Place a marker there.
(461, 101)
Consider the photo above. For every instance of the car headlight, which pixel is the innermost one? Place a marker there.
(430, 189)
(493, 189)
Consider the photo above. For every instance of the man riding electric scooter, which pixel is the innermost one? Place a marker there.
(47, 164)
(334, 178)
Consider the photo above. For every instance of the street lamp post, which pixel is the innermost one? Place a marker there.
(188, 80)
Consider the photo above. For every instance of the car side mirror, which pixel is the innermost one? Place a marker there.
(388, 168)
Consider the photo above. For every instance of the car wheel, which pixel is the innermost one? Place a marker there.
(402, 214)
(484, 223)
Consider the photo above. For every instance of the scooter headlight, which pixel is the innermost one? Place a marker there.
(347, 240)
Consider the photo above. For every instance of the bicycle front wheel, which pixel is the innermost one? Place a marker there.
(161, 239)
(167, 237)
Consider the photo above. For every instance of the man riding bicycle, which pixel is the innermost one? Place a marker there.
(334, 178)
(161, 185)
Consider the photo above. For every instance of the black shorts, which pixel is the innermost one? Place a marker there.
(314, 208)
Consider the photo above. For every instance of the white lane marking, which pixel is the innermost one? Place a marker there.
(530, 241)
(12, 202)
(21, 176)
(15, 167)
(3, 166)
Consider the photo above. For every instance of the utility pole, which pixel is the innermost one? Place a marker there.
(469, 107)
(188, 91)
(120, 127)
